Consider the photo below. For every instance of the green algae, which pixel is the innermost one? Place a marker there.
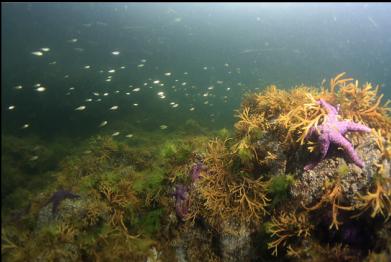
(279, 188)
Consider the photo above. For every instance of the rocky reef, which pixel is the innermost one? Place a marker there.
(261, 200)
(248, 195)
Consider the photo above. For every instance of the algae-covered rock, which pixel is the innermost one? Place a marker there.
(235, 242)
(309, 185)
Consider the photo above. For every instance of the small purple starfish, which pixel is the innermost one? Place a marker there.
(59, 196)
(181, 201)
(333, 131)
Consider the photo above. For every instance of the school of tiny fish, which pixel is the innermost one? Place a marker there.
(176, 90)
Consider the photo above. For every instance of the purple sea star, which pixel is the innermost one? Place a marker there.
(332, 131)
(181, 201)
(59, 196)
(196, 171)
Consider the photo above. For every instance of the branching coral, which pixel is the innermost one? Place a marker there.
(384, 144)
(285, 227)
(225, 195)
(379, 200)
(66, 232)
(249, 122)
(333, 196)
(302, 117)
(248, 198)
(359, 104)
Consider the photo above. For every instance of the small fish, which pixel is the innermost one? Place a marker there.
(87, 152)
(103, 124)
(143, 60)
(140, 65)
(95, 94)
(71, 88)
(88, 100)
(111, 71)
(19, 87)
(34, 158)
(114, 108)
(115, 52)
(156, 81)
(80, 108)
(167, 74)
(87, 67)
(136, 89)
(11, 107)
(105, 94)
(45, 49)
(122, 67)
(25, 126)
(175, 105)
(162, 127)
(129, 136)
(135, 104)
(192, 109)
(115, 134)
(205, 68)
(37, 53)
(37, 85)
(73, 40)
(40, 89)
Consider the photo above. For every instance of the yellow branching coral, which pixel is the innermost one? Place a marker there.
(117, 219)
(224, 195)
(249, 199)
(217, 158)
(273, 101)
(286, 226)
(95, 210)
(66, 232)
(379, 200)
(301, 118)
(332, 196)
(248, 122)
(384, 144)
(361, 104)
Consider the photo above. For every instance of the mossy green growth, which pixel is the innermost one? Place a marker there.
(279, 188)
(177, 152)
(150, 223)
(168, 150)
(343, 169)
(223, 133)
(245, 155)
(149, 180)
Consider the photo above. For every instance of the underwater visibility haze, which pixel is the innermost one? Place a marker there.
(196, 131)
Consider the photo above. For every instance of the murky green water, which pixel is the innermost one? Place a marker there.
(146, 73)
